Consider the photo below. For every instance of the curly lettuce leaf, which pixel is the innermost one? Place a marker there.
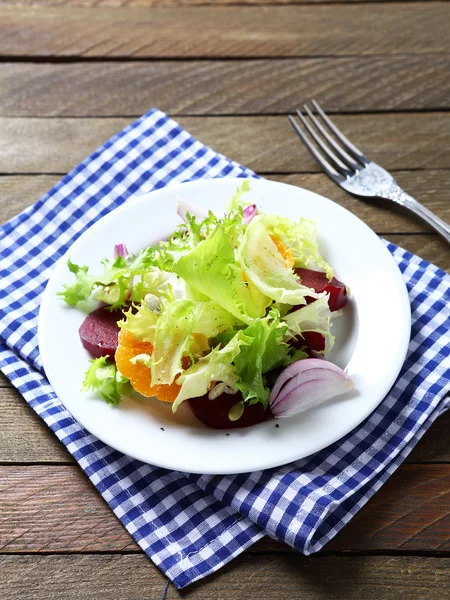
(237, 202)
(81, 289)
(211, 269)
(113, 285)
(265, 350)
(312, 317)
(156, 282)
(301, 238)
(141, 322)
(103, 377)
(266, 269)
(172, 339)
(211, 319)
(216, 366)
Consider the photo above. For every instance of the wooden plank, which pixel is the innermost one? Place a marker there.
(25, 437)
(152, 3)
(411, 508)
(262, 577)
(251, 31)
(61, 512)
(432, 188)
(18, 192)
(266, 144)
(197, 87)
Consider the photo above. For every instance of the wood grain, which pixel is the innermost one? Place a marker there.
(166, 3)
(432, 188)
(25, 437)
(263, 577)
(371, 83)
(410, 512)
(266, 144)
(255, 31)
(18, 192)
(411, 508)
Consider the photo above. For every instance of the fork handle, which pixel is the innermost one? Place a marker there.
(438, 224)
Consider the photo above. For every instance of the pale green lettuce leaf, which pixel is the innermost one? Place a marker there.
(216, 366)
(141, 322)
(265, 350)
(312, 317)
(111, 286)
(212, 319)
(266, 269)
(301, 238)
(211, 269)
(237, 202)
(172, 337)
(156, 282)
(103, 377)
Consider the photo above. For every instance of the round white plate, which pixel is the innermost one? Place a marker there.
(371, 336)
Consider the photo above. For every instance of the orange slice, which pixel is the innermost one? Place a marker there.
(283, 250)
(139, 374)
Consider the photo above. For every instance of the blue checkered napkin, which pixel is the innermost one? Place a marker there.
(307, 502)
(191, 525)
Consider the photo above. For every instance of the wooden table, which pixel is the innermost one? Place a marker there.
(72, 73)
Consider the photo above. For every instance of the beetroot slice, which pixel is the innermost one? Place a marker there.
(214, 413)
(319, 283)
(99, 332)
(314, 340)
(310, 342)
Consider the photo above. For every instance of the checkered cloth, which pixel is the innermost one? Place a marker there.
(191, 525)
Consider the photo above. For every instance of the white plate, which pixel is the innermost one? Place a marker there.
(371, 337)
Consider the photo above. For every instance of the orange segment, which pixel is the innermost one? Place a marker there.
(283, 250)
(139, 374)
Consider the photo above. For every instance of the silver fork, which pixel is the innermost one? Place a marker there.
(348, 167)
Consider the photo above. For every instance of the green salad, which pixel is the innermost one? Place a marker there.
(218, 309)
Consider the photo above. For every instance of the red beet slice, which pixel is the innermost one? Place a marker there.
(319, 283)
(315, 341)
(311, 342)
(214, 413)
(99, 332)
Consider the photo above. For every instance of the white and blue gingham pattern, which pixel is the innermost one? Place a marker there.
(191, 525)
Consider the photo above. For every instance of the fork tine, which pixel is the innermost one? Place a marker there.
(331, 155)
(347, 143)
(329, 170)
(342, 153)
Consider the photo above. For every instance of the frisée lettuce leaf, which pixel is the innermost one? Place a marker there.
(172, 336)
(301, 239)
(312, 317)
(103, 376)
(264, 351)
(266, 269)
(211, 269)
(216, 366)
(112, 286)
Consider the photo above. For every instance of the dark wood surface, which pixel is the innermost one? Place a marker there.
(72, 73)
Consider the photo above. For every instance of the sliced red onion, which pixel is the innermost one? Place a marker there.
(307, 383)
(249, 212)
(184, 207)
(120, 250)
